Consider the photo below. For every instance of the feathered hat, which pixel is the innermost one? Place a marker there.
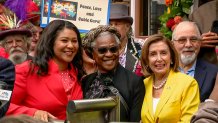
(26, 10)
(9, 25)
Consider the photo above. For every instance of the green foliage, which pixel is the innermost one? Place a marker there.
(177, 8)
(82, 35)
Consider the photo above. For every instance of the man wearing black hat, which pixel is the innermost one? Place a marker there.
(129, 51)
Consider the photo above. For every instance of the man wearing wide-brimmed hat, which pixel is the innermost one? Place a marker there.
(120, 19)
(16, 42)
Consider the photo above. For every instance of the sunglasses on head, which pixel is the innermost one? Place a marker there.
(103, 50)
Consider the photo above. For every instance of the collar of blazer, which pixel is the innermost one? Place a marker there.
(165, 96)
(133, 47)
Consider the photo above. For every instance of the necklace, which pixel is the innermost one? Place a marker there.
(160, 86)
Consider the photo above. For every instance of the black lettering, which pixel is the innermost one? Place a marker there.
(85, 7)
(96, 8)
(90, 14)
(83, 19)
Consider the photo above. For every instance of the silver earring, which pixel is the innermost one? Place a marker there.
(171, 62)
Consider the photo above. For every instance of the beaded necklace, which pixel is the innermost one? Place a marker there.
(161, 85)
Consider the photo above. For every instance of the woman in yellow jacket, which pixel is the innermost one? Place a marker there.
(171, 96)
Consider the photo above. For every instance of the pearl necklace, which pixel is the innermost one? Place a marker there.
(160, 86)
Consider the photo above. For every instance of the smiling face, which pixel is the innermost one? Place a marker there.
(106, 52)
(16, 46)
(65, 47)
(159, 58)
(187, 43)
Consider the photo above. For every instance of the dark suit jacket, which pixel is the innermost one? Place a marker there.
(130, 86)
(7, 77)
(205, 74)
(132, 55)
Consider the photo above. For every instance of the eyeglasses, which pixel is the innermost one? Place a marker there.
(192, 40)
(103, 50)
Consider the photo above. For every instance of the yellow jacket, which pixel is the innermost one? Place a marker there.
(178, 102)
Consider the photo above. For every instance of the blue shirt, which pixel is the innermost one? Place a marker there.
(191, 71)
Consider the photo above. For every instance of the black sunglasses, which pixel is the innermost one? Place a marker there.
(103, 50)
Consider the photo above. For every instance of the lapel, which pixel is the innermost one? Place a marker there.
(132, 47)
(131, 56)
(166, 94)
(200, 73)
(131, 61)
(149, 97)
(53, 82)
(119, 78)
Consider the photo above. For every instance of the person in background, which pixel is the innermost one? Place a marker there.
(209, 44)
(44, 85)
(204, 13)
(88, 63)
(14, 37)
(7, 77)
(35, 38)
(29, 13)
(130, 50)
(16, 43)
(186, 39)
(103, 44)
(33, 17)
(171, 96)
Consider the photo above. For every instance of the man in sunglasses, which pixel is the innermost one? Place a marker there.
(187, 41)
(130, 50)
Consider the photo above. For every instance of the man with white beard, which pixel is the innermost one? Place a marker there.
(187, 42)
(16, 43)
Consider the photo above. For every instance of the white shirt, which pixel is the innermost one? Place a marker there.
(155, 102)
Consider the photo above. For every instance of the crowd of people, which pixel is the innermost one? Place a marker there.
(157, 80)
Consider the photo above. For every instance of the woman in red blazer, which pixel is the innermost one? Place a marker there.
(44, 85)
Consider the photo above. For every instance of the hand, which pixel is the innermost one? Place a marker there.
(210, 39)
(209, 36)
(43, 115)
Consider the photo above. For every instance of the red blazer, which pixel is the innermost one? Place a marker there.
(32, 92)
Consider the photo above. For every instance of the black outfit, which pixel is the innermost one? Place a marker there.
(205, 74)
(7, 77)
(129, 85)
(132, 55)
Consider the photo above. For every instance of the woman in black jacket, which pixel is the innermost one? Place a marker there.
(103, 45)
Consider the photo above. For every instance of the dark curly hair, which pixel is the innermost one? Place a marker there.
(45, 51)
